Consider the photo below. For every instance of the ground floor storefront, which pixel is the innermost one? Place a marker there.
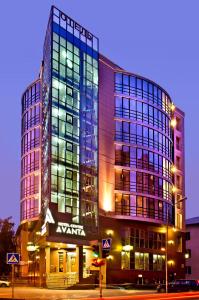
(138, 251)
(59, 265)
(137, 255)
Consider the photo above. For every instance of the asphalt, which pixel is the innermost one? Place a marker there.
(30, 293)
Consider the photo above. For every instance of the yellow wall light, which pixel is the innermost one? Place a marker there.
(172, 106)
(171, 262)
(110, 257)
(173, 123)
(171, 242)
(173, 169)
(127, 248)
(109, 232)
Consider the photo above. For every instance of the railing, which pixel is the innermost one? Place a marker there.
(124, 160)
(27, 102)
(138, 116)
(33, 143)
(29, 190)
(30, 123)
(142, 188)
(28, 168)
(28, 213)
(141, 94)
(151, 213)
(143, 141)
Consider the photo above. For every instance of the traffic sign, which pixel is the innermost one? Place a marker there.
(13, 258)
(106, 244)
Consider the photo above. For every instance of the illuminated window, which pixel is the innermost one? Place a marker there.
(158, 262)
(141, 261)
(125, 259)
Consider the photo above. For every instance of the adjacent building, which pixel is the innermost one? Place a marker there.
(192, 243)
(102, 157)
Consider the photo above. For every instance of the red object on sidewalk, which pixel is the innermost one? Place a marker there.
(98, 262)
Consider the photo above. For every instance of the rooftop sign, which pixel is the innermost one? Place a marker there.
(76, 26)
(59, 15)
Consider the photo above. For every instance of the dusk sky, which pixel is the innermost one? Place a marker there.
(156, 39)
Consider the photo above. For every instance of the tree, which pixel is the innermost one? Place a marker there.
(7, 243)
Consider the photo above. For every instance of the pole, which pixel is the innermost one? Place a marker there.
(167, 234)
(34, 268)
(100, 281)
(100, 269)
(13, 272)
(166, 256)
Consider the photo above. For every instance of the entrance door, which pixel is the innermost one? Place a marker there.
(71, 262)
(61, 261)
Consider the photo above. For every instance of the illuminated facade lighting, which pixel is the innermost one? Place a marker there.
(173, 123)
(171, 262)
(103, 152)
(127, 248)
(172, 107)
(170, 242)
(173, 169)
(109, 232)
(110, 257)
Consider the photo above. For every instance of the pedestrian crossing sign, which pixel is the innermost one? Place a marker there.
(13, 258)
(106, 244)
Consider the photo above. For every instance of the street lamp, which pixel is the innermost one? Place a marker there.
(166, 249)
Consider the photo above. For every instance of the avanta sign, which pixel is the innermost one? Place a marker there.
(73, 229)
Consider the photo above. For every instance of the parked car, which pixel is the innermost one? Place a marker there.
(180, 285)
(4, 283)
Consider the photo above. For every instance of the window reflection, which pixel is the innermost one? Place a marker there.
(143, 144)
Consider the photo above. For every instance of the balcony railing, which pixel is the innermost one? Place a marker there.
(141, 94)
(142, 188)
(138, 116)
(142, 212)
(124, 160)
(143, 141)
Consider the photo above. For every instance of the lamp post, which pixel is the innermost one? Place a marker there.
(166, 248)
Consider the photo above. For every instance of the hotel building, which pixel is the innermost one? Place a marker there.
(102, 157)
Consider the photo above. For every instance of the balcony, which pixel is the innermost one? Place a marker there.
(144, 213)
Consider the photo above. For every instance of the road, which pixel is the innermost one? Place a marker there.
(174, 296)
(29, 293)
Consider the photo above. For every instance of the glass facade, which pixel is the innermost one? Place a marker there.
(70, 97)
(143, 149)
(147, 241)
(30, 152)
(99, 158)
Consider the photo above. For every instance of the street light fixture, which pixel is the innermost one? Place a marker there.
(166, 249)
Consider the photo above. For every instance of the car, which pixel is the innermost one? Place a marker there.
(4, 283)
(180, 285)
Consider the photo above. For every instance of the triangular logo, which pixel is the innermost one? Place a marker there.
(49, 218)
(13, 259)
(106, 244)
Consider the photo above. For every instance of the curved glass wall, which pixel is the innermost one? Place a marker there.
(143, 149)
(30, 152)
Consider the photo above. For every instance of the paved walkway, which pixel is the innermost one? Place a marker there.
(31, 293)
